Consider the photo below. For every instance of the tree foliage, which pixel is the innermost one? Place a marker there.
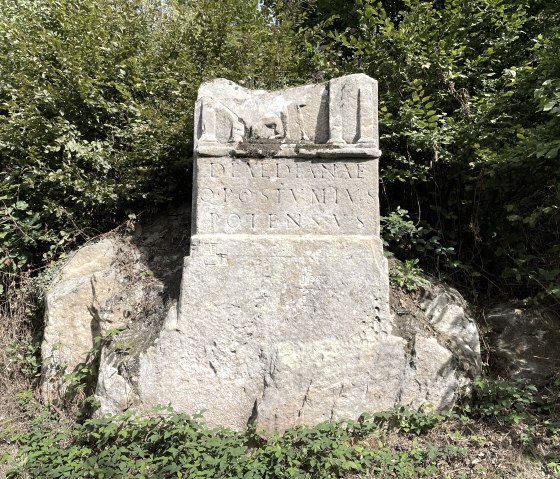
(96, 102)
(470, 133)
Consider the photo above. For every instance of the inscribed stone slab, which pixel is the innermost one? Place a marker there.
(284, 316)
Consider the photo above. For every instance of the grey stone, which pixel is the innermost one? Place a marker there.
(333, 119)
(284, 307)
(448, 314)
(443, 347)
(118, 281)
(283, 316)
(78, 310)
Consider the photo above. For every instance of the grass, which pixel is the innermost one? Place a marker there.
(19, 355)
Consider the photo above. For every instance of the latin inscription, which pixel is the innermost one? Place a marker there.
(282, 169)
(273, 222)
(286, 196)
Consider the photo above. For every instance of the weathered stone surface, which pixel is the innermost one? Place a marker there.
(415, 364)
(432, 368)
(73, 314)
(109, 284)
(523, 342)
(286, 196)
(333, 119)
(448, 314)
(284, 309)
(283, 317)
(443, 348)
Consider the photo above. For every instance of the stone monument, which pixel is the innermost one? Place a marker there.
(284, 315)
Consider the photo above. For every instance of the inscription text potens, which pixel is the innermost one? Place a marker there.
(280, 222)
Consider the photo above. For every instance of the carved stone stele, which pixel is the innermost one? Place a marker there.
(283, 316)
(331, 120)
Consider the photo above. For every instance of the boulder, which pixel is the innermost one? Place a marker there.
(440, 347)
(111, 283)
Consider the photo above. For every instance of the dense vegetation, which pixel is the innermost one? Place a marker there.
(96, 105)
(96, 101)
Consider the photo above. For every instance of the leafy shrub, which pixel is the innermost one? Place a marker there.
(411, 420)
(528, 414)
(469, 125)
(176, 445)
(504, 400)
(407, 275)
(96, 105)
(409, 240)
(24, 355)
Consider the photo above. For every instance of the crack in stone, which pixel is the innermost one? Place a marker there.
(305, 398)
(333, 407)
(254, 413)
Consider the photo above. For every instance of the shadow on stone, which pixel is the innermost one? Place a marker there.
(163, 241)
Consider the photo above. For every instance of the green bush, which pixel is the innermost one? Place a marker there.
(469, 120)
(509, 401)
(175, 445)
(96, 105)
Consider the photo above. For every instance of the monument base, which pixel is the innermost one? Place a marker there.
(282, 331)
